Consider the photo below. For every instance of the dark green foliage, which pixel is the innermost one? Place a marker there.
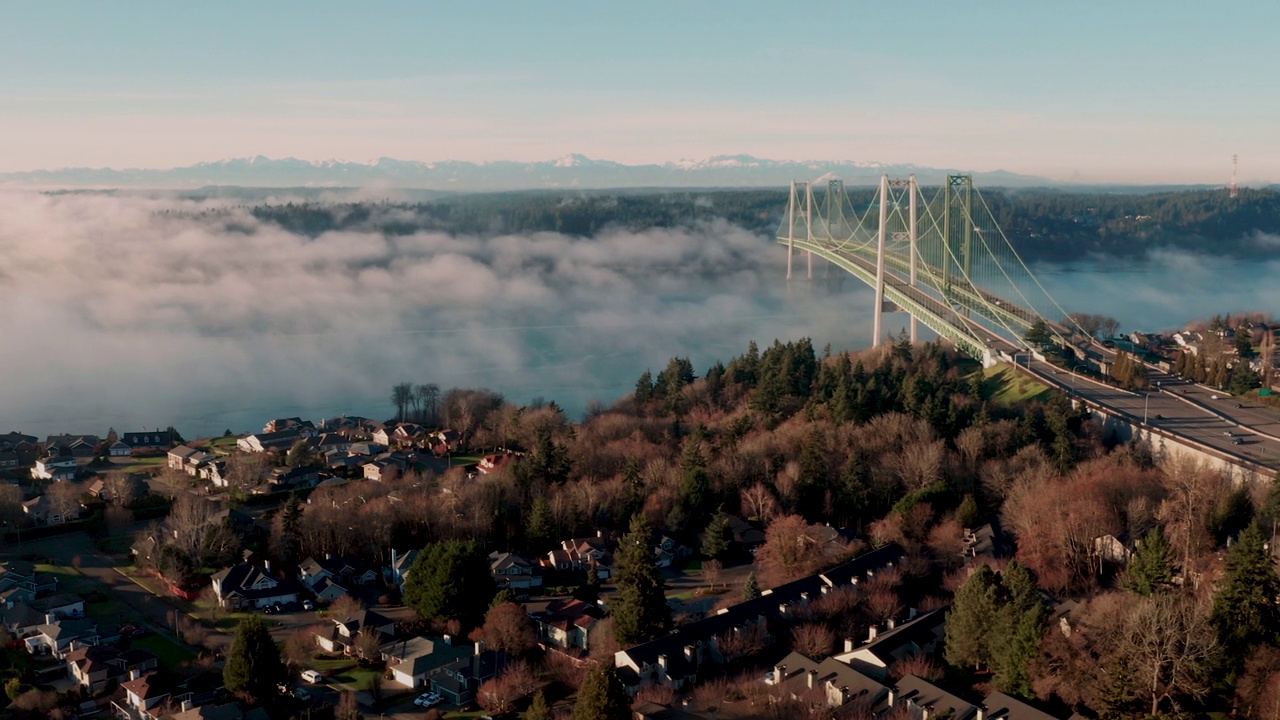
(450, 581)
(300, 454)
(1129, 372)
(751, 588)
(1233, 513)
(718, 537)
(1241, 379)
(1244, 609)
(1151, 567)
(640, 611)
(695, 497)
(971, 619)
(1244, 343)
(644, 388)
(253, 664)
(602, 696)
(967, 513)
(540, 528)
(538, 709)
(1038, 334)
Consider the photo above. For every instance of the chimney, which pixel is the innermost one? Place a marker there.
(893, 698)
(926, 712)
(266, 566)
(871, 633)
(982, 714)
(813, 676)
(854, 581)
(662, 661)
(782, 609)
(186, 705)
(134, 674)
(848, 645)
(825, 589)
(479, 648)
(50, 619)
(328, 556)
(912, 613)
(779, 674)
(688, 653)
(891, 624)
(600, 534)
(804, 598)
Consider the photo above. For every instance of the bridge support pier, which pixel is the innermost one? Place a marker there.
(877, 324)
(914, 236)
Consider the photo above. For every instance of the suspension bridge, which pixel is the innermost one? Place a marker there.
(939, 255)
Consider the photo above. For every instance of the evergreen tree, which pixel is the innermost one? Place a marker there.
(696, 494)
(1021, 622)
(640, 610)
(644, 388)
(450, 581)
(253, 664)
(751, 588)
(971, 619)
(540, 529)
(1151, 567)
(1244, 609)
(718, 537)
(1038, 334)
(538, 709)
(602, 696)
(967, 513)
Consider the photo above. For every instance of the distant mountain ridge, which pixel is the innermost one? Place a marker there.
(570, 171)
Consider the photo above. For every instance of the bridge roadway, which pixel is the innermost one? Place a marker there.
(1195, 415)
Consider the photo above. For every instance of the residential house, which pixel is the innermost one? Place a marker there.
(566, 623)
(396, 573)
(457, 681)
(329, 577)
(229, 711)
(56, 637)
(262, 442)
(582, 554)
(746, 535)
(249, 586)
(79, 446)
(148, 441)
(922, 700)
(55, 467)
(982, 542)
(340, 635)
(443, 442)
(510, 570)
(668, 551)
(330, 442)
(1003, 707)
(284, 478)
(42, 511)
(298, 425)
(368, 449)
(494, 462)
(62, 606)
(674, 659)
(178, 457)
(145, 693)
(836, 682)
(215, 471)
(119, 449)
(22, 574)
(412, 660)
(21, 619)
(919, 635)
(95, 666)
(386, 466)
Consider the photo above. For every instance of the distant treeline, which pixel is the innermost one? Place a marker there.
(1042, 224)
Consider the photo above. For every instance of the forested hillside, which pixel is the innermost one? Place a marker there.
(1049, 225)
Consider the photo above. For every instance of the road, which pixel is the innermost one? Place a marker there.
(1179, 407)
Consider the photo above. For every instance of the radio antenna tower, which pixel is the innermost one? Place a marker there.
(1235, 162)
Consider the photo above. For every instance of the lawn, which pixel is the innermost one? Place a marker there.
(331, 665)
(1006, 386)
(459, 460)
(171, 653)
(69, 578)
(357, 677)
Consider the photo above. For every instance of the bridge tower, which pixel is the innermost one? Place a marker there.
(799, 209)
(957, 204)
(910, 236)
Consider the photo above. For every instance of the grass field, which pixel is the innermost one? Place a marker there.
(356, 677)
(1005, 386)
(69, 578)
(171, 653)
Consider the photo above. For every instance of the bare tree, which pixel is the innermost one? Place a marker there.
(64, 499)
(813, 640)
(367, 644)
(401, 395)
(759, 502)
(500, 694)
(508, 629)
(121, 489)
(429, 398)
(345, 606)
(711, 572)
(191, 520)
(790, 551)
(247, 470)
(1171, 647)
(300, 647)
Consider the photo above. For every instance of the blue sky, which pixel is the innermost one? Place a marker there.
(1090, 91)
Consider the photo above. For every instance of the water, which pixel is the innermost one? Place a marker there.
(118, 316)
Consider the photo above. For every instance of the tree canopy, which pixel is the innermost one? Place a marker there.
(450, 581)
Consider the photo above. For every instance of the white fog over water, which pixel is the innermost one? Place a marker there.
(120, 314)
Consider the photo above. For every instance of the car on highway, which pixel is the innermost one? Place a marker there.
(1237, 441)
(1227, 433)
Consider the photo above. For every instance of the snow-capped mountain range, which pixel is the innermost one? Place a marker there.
(570, 171)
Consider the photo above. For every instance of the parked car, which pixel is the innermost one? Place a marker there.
(428, 699)
(312, 677)
(301, 693)
(308, 605)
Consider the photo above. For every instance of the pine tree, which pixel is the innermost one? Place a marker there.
(253, 665)
(640, 610)
(644, 388)
(751, 588)
(696, 494)
(602, 696)
(1021, 622)
(538, 709)
(971, 619)
(1151, 567)
(718, 538)
(450, 581)
(539, 530)
(1244, 609)
(967, 513)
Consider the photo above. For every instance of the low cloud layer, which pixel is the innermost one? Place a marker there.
(134, 312)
